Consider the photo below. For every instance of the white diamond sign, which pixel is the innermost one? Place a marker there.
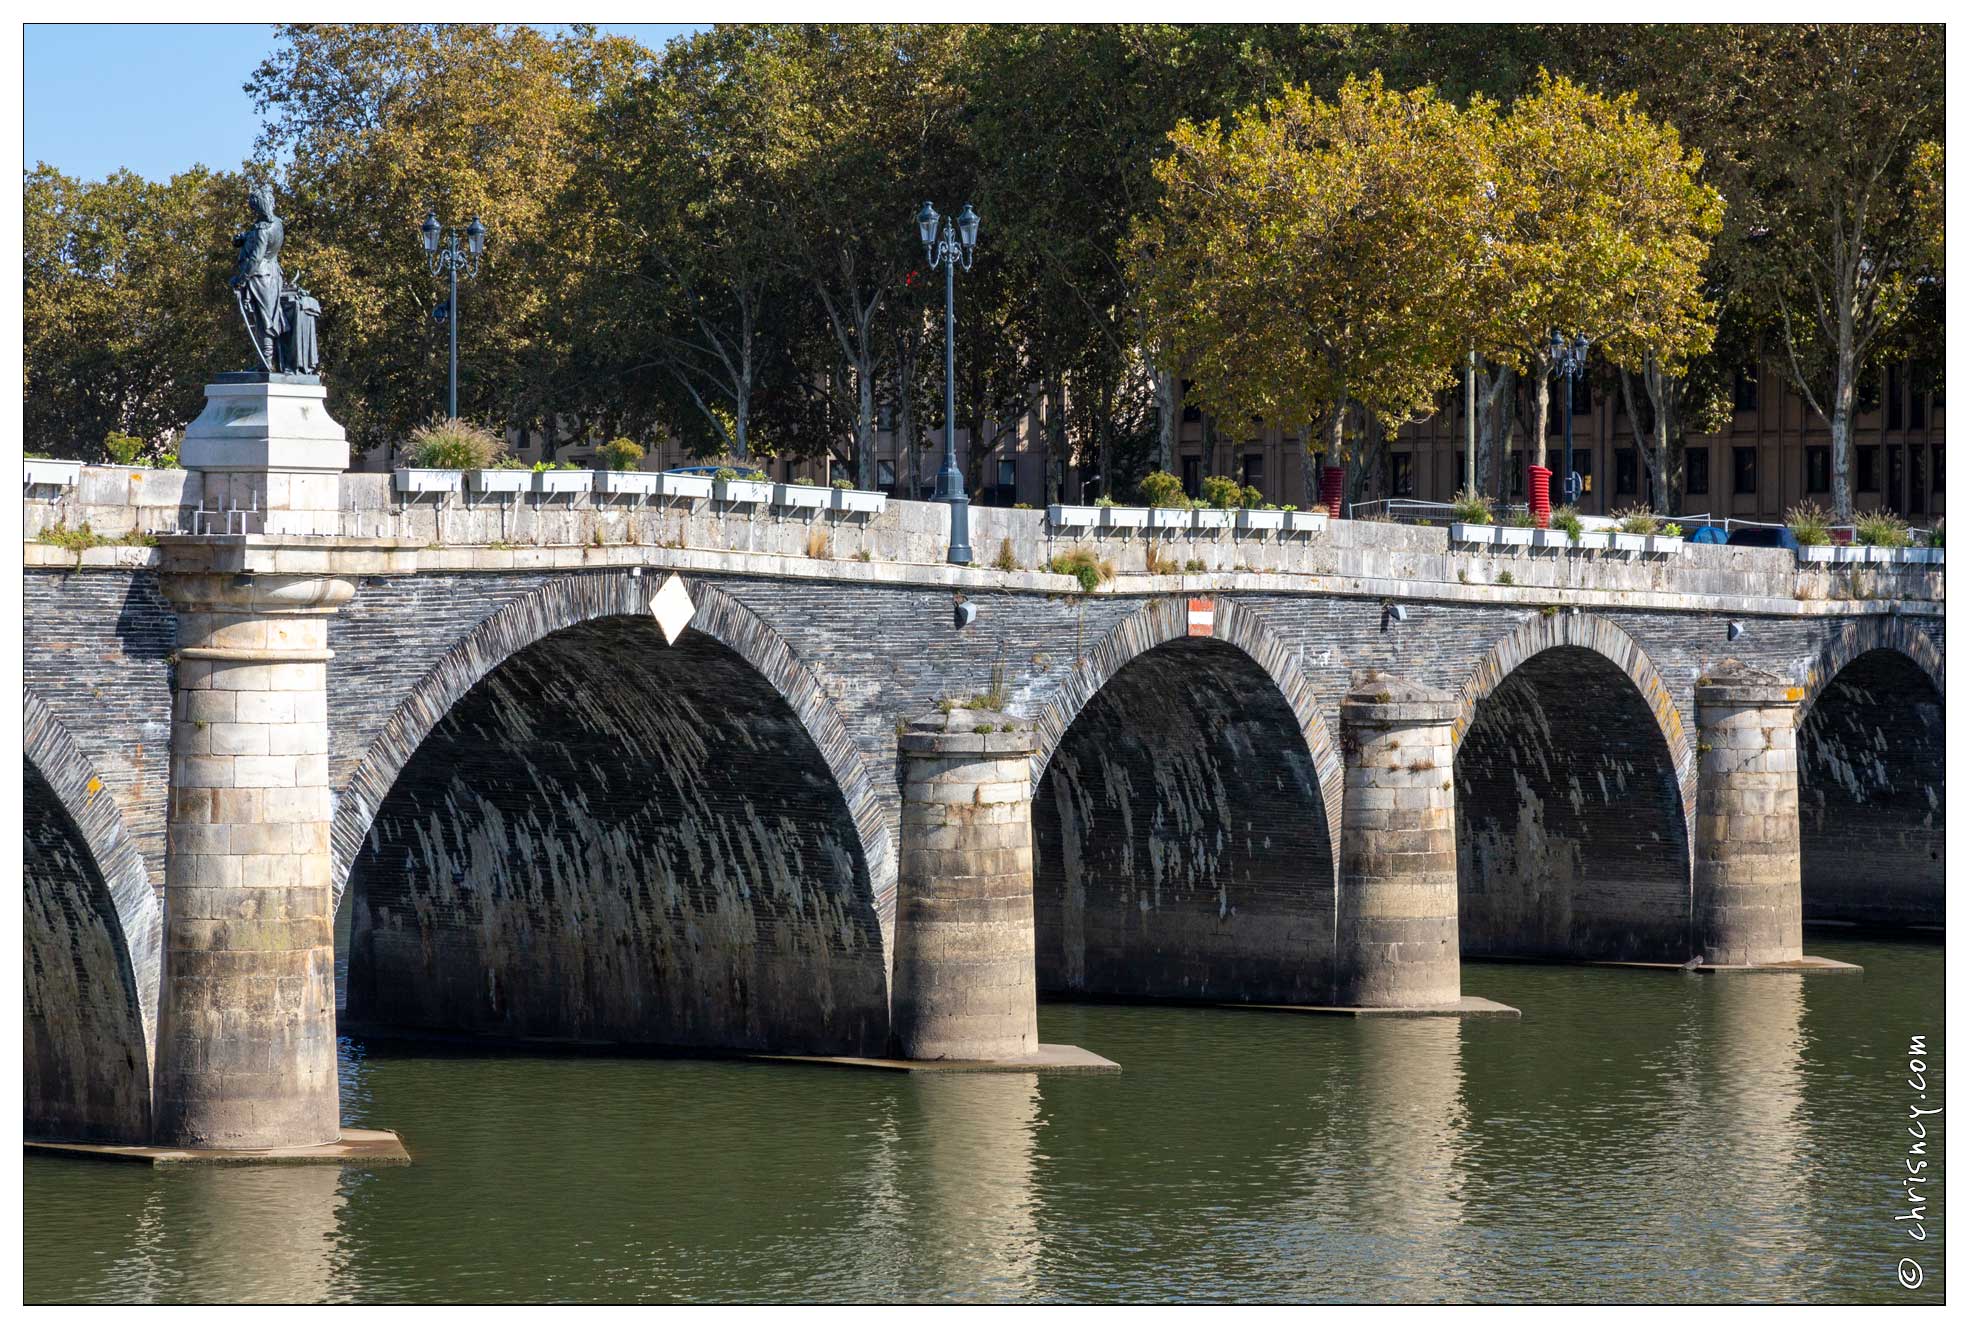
(673, 608)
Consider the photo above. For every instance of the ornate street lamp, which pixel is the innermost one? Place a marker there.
(447, 255)
(1569, 362)
(949, 249)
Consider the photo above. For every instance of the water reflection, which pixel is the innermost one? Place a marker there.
(1413, 1126)
(1757, 1089)
(976, 1230)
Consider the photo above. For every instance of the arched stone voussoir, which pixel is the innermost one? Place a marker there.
(569, 601)
(1881, 633)
(1166, 620)
(1607, 639)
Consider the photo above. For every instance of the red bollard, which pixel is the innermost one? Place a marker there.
(1332, 486)
(1541, 495)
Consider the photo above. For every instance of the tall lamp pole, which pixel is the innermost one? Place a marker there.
(949, 248)
(1569, 362)
(447, 255)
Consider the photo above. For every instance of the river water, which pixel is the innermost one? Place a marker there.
(1638, 1136)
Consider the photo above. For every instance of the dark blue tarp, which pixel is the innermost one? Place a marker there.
(1710, 535)
(1764, 537)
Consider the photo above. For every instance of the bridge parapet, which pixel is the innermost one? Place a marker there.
(385, 533)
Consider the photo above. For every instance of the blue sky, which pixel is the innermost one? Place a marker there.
(159, 97)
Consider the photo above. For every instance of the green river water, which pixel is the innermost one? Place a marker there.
(1637, 1136)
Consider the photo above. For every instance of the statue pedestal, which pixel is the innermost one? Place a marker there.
(266, 444)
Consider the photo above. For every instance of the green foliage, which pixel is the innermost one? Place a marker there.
(1104, 501)
(123, 449)
(1935, 536)
(1006, 561)
(1160, 489)
(1506, 579)
(84, 537)
(1472, 507)
(1880, 527)
(1810, 524)
(554, 466)
(453, 445)
(1193, 565)
(1084, 566)
(1672, 530)
(1567, 519)
(1637, 521)
(724, 473)
(618, 454)
(1220, 491)
(1520, 520)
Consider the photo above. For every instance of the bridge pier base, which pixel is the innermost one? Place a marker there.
(965, 986)
(246, 1032)
(1397, 926)
(1748, 890)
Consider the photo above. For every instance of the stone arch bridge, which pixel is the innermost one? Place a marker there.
(541, 817)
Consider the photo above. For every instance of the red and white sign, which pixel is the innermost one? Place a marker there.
(1203, 617)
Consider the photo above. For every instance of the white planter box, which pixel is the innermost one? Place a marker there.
(1665, 544)
(1598, 540)
(742, 491)
(807, 498)
(859, 500)
(1304, 523)
(1071, 515)
(683, 486)
(1473, 533)
(1169, 519)
(41, 471)
(1260, 519)
(1211, 519)
(416, 480)
(627, 482)
(1124, 519)
(1629, 541)
(499, 482)
(1928, 555)
(1818, 553)
(563, 482)
(1549, 537)
(1514, 535)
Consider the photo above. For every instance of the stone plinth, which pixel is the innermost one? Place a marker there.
(246, 1036)
(1397, 931)
(265, 444)
(964, 985)
(1747, 878)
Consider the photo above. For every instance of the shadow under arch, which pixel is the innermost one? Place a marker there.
(1185, 817)
(92, 949)
(1871, 766)
(573, 831)
(1575, 799)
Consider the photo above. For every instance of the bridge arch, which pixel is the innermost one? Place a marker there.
(1870, 777)
(1186, 814)
(571, 830)
(93, 935)
(1575, 798)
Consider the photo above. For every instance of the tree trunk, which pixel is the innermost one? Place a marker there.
(1493, 384)
(1053, 455)
(1541, 405)
(864, 424)
(1842, 442)
(1169, 424)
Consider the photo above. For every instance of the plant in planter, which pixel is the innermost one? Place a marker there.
(1880, 528)
(441, 451)
(1809, 524)
(1566, 519)
(1084, 566)
(1470, 506)
(729, 485)
(618, 454)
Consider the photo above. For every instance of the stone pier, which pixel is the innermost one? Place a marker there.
(1397, 929)
(246, 1038)
(964, 983)
(1747, 877)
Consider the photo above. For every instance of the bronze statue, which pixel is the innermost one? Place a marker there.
(256, 280)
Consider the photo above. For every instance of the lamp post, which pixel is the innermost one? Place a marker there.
(949, 248)
(1569, 362)
(446, 255)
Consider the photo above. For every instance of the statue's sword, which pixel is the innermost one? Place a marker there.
(239, 301)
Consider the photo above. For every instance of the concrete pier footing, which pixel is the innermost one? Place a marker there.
(1397, 933)
(352, 1148)
(1748, 891)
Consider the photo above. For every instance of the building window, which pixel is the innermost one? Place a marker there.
(1917, 490)
(1917, 410)
(1818, 470)
(1743, 470)
(1462, 471)
(1402, 468)
(1517, 481)
(1625, 471)
(1935, 468)
(1869, 460)
(1696, 472)
(1743, 390)
(1582, 396)
(1582, 461)
(1894, 477)
(885, 475)
(1193, 476)
(1254, 470)
(1895, 417)
(1008, 481)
